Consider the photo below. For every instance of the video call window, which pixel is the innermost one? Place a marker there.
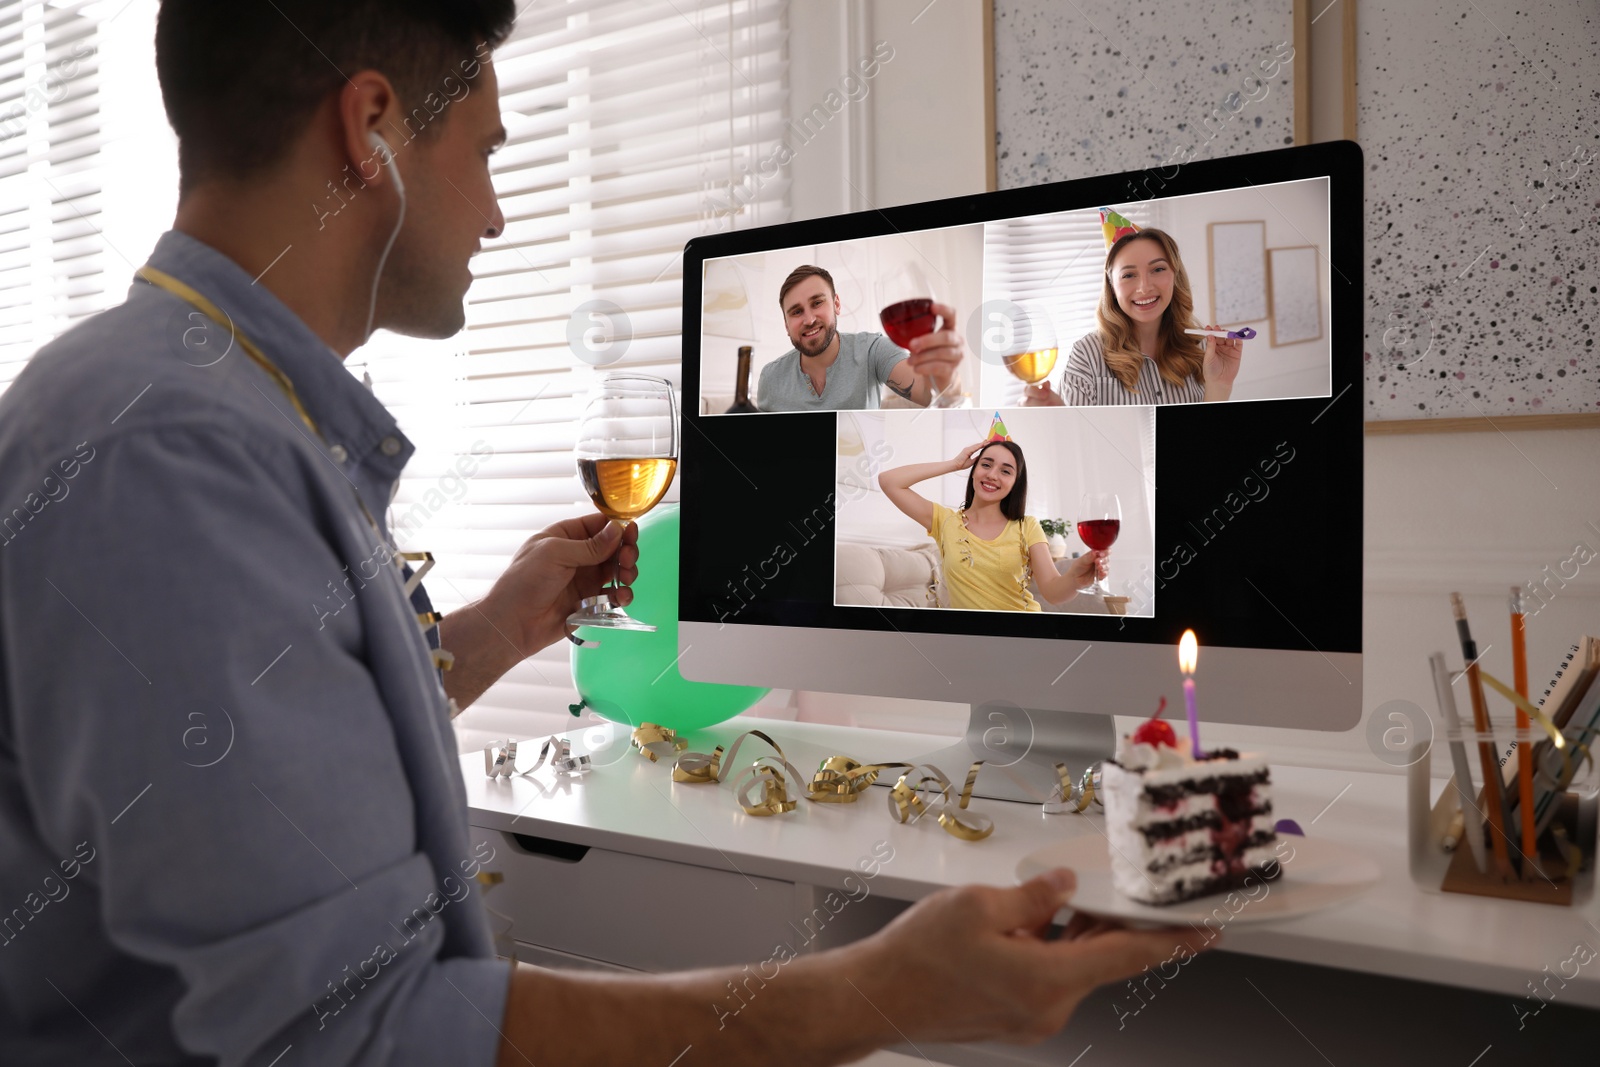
(996, 511)
(852, 306)
(1208, 297)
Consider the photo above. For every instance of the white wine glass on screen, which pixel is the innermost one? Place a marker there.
(1098, 527)
(627, 453)
(905, 303)
(1031, 353)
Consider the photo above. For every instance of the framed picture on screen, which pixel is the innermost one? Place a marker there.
(1236, 256)
(1295, 279)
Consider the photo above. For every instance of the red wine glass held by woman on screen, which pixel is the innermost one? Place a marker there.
(989, 548)
(1141, 352)
(1099, 527)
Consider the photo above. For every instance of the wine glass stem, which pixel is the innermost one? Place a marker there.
(616, 577)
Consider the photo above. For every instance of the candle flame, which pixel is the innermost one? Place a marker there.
(1188, 652)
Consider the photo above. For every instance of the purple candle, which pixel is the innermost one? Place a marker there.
(1188, 654)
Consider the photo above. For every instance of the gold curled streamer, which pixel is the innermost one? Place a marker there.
(425, 558)
(906, 803)
(500, 759)
(840, 779)
(973, 827)
(653, 741)
(698, 767)
(762, 787)
(1570, 855)
(766, 775)
(905, 800)
(1556, 737)
(1060, 801)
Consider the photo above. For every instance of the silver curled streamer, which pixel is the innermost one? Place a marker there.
(500, 759)
(712, 766)
(1065, 797)
(761, 788)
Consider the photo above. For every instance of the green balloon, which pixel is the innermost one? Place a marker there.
(632, 676)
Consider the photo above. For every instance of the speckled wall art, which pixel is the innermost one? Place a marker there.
(1091, 86)
(1481, 129)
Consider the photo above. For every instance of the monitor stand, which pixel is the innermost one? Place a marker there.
(1020, 748)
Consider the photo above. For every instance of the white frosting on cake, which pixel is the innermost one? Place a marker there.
(1130, 810)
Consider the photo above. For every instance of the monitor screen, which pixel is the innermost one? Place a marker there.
(1220, 470)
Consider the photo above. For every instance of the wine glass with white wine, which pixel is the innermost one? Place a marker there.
(627, 454)
(1031, 353)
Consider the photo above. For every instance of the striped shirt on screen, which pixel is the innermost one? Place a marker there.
(1086, 380)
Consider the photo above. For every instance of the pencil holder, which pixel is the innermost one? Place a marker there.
(1557, 876)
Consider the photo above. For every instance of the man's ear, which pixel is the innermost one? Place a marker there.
(368, 105)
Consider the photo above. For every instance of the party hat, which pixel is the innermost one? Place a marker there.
(1115, 226)
(997, 430)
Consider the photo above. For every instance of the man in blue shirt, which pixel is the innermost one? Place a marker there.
(232, 825)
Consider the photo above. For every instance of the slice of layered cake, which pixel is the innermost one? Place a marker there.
(1181, 827)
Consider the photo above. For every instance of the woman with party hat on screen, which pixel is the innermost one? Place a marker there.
(989, 547)
(1148, 348)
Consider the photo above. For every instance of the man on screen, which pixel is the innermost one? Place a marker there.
(831, 371)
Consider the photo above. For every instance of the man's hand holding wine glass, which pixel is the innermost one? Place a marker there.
(936, 357)
(554, 571)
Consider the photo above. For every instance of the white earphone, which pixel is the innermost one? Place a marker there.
(382, 146)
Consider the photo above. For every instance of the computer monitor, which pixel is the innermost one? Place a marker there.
(1241, 518)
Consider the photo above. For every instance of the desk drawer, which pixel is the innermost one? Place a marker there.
(648, 914)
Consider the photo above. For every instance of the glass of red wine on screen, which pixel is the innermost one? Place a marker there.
(906, 298)
(1098, 528)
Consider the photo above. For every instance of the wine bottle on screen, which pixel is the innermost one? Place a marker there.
(741, 389)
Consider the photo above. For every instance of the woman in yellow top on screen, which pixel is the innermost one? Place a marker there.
(1141, 353)
(989, 547)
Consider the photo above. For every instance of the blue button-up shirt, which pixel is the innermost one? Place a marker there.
(231, 813)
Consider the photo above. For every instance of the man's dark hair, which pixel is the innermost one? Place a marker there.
(800, 274)
(240, 78)
(1015, 504)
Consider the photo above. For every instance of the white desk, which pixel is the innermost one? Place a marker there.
(662, 849)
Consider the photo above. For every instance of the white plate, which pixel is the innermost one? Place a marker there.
(1316, 874)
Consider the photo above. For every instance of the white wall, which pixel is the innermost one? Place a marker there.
(919, 134)
(928, 114)
(1473, 513)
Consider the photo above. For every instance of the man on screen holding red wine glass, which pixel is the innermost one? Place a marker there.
(831, 371)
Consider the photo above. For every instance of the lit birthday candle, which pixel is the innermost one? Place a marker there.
(1188, 653)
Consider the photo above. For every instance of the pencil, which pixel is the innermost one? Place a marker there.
(1519, 673)
(1471, 815)
(1455, 831)
(1493, 799)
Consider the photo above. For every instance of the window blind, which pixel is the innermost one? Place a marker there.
(1056, 259)
(52, 254)
(634, 125)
